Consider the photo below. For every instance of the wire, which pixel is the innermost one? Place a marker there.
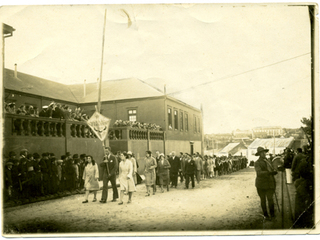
(234, 75)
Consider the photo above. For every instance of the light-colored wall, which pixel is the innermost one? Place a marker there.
(182, 146)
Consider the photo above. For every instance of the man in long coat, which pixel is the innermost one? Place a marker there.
(198, 162)
(265, 182)
(190, 170)
(109, 168)
(175, 166)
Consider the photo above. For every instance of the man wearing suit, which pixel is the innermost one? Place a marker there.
(175, 166)
(181, 174)
(190, 170)
(109, 168)
(198, 161)
(265, 182)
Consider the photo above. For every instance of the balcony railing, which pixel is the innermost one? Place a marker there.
(20, 125)
(129, 133)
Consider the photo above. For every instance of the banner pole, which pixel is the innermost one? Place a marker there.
(101, 70)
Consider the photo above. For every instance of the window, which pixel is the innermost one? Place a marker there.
(169, 118)
(198, 124)
(132, 115)
(181, 121)
(186, 121)
(194, 124)
(176, 120)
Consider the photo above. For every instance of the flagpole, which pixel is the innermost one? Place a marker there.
(100, 80)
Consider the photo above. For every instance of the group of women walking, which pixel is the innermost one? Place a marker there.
(127, 175)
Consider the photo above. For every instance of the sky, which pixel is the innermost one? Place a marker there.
(248, 65)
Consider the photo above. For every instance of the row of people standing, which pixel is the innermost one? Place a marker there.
(33, 176)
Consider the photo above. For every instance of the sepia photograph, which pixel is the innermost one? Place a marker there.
(159, 119)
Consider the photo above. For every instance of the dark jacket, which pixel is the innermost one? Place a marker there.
(111, 167)
(190, 167)
(175, 164)
(264, 179)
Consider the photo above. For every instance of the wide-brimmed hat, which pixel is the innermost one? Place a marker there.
(161, 155)
(261, 149)
(129, 153)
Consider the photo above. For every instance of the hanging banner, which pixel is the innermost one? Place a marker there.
(99, 125)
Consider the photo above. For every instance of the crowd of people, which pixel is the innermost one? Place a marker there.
(53, 110)
(298, 165)
(30, 176)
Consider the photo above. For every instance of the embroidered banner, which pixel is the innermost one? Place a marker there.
(99, 125)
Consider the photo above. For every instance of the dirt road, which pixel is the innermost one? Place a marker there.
(229, 202)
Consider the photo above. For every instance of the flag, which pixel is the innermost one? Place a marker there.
(99, 125)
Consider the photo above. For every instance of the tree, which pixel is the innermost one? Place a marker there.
(307, 128)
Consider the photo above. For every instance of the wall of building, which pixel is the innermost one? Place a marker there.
(148, 110)
(183, 134)
(182, 146)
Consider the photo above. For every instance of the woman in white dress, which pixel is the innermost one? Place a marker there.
(91, 177)
(126, 178)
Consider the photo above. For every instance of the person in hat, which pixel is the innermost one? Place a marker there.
(91, 177)
(134, 165)
(265, 182)
(22, 110)
(109, 168)
(149, 172)
(163, 172)
(12, 108)
(43, 112)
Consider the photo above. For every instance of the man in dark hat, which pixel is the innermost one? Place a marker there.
(265, 182)
(109, 168)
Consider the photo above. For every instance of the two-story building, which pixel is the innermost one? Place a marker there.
(125, 99)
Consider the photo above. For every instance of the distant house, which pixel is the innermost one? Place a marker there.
(242, 134)
(231, 149)
(264, 132)
(275, 146)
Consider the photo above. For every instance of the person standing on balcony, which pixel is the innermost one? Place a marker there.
(109, 167)
(175, 166)
(149, 172)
